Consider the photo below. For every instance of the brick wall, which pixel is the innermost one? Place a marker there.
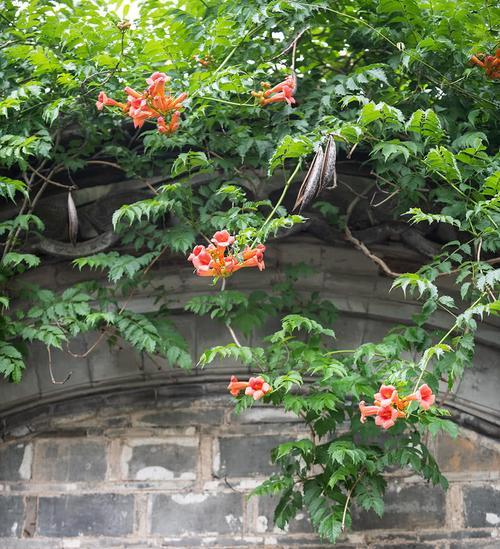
(171, 466)
(129, 455)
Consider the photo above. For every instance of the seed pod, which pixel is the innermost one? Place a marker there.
(309, 186)
(72, 220)
(328, 177)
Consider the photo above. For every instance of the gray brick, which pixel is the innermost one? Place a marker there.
(86, 515)
(466, 454)
(153, 459)
(70, 460)
(15, 461)
(407, 508)
(196, 513)
(266, 506)
(482, 506)
(13, 394)
(260, 414)
(183, 416)
(478, 544)
(247, 456)
(107, 364)
(11, 516)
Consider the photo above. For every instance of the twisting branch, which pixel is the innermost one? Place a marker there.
(360, 246)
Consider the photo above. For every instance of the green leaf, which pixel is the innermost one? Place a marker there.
(290, 147)
(9, 187)
(441, 160)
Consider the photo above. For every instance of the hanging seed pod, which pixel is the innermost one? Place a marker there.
(72, 220)
(328, 177)
(309, 186)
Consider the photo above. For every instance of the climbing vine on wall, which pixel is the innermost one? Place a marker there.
(285, 91)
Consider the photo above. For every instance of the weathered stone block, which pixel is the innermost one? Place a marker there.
(349, 331)
(464, 454)
(86, 515)
(246, 456)
(118, 363)
(261, 414)
(11, 516)
(196, 513)
(183, 417)
(482, 506)
(154, 459)
(15, 461)
(12, 394)
(406, 507)
(266, 506)
(483, 544)
(70, 460)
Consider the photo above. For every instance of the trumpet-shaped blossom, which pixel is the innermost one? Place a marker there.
(172, 126)
(235, 386)
(425, 396)
(257, 388)
(367, 411)
(489, 63)
(282, 92)
(153, 103)
(219, 259)
(386, 417)
(222, 239)
(388, 406)
(104, 101)
(386, 395)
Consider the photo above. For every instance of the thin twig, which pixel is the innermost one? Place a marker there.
(360, 246)
(51, 181)
(386, 199)
(293, 44)
(52, 378)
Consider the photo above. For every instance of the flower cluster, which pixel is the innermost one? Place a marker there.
(255, 387)
(153, 102)
(282, 92)
(217, 260)
(388, 406)
(203, 60)
(489, 63)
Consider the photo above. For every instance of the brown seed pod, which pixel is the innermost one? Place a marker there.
(310, 185)
(328, 176)
(72, 220)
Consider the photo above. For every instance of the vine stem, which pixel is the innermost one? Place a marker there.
(228, 324)
(281, 198)
(216, 99)
(349, 495)
(426, 362)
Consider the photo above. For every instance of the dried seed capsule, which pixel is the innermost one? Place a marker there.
(328, 176)
(309, 186)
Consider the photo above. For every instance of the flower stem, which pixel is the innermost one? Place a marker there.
(280, 200)
(227, 102)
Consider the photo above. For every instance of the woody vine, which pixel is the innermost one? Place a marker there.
(298, 97)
